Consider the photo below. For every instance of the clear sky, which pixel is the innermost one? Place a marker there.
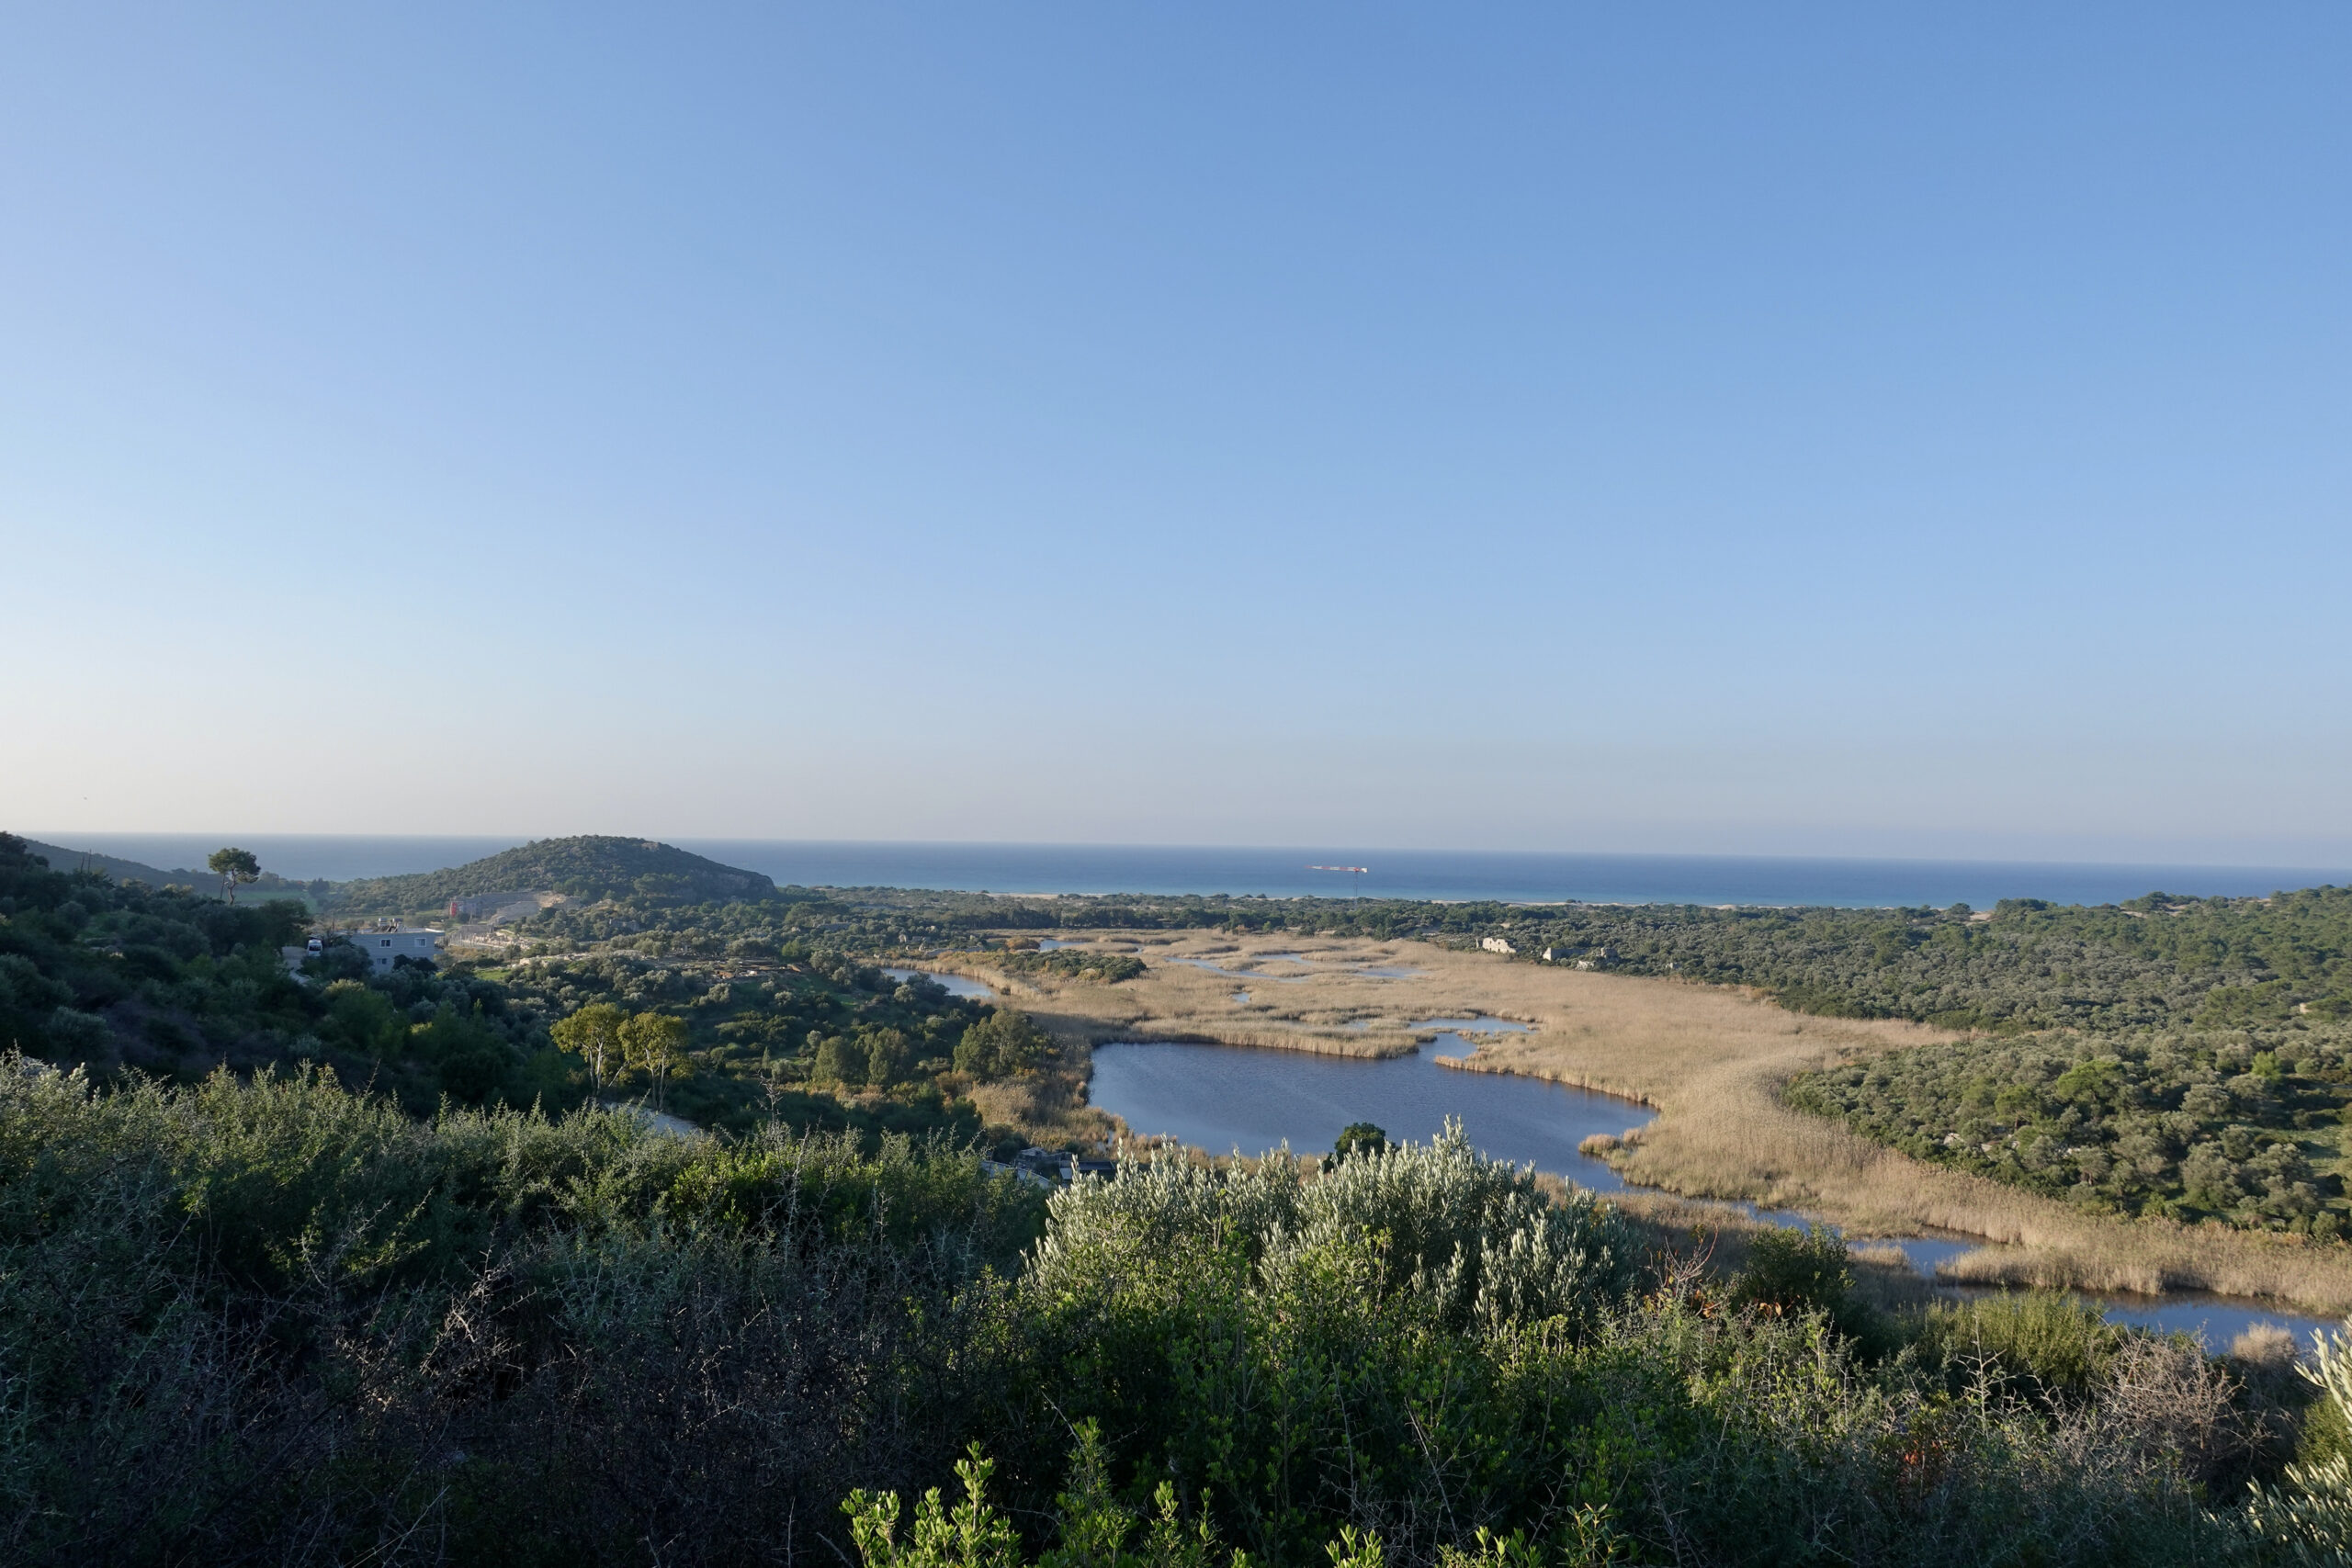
(1841, 429)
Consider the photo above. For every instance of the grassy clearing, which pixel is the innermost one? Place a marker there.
(1710, 1059)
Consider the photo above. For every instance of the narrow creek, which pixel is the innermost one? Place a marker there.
(1229, 1098)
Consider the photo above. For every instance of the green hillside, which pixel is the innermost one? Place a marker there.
(203, 884)
(591, 867)
(116, 869)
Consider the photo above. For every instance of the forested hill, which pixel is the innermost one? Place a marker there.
(589, 867)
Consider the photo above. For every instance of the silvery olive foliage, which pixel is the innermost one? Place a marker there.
(1476, 1240)
(2308, 1520)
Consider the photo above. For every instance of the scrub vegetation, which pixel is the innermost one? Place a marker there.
(272, 1319)
(118, 977)
(2033, 1075)
(2159, 959)
(122, 976)
(2156, 961)
(590, 868)
(2230, 1125)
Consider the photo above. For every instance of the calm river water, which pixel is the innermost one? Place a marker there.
(1226, 1099)
(954, 984)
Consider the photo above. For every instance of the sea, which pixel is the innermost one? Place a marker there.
(1523, 878)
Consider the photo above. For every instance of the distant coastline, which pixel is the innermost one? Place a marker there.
(1437, 876)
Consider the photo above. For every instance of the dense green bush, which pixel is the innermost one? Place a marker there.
(274, 1320)
(2052, 1347)
(2190, 1123)
(1071, 962)
(1000, 1045)
(1794, 1271)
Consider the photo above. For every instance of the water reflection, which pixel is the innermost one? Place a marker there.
(954, 984)
(1225, 1098)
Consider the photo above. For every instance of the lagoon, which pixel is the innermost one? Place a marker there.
(1231, 1099)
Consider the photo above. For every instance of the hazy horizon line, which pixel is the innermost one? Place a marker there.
(2185, 859)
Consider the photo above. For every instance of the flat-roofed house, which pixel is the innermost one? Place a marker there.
(383, 947)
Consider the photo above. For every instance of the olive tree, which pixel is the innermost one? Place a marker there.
(593, 1034)
(656, 1043)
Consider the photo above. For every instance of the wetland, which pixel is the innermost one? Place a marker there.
(1695, 1074)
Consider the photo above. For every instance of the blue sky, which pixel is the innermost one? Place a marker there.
(1801, 429)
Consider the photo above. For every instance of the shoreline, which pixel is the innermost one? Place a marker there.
(1471, 1064)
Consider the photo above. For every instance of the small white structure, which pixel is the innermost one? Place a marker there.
(1496, 944)
(382, 947)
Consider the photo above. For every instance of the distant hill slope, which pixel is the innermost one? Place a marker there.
(204, 883)
(590, 867)
(115, 867)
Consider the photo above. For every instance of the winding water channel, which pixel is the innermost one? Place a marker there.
(1228, 1098)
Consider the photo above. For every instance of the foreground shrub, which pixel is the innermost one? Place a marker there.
(2309, 1520)
(2041, 1344)
(280, 1322)
(1794, 1271)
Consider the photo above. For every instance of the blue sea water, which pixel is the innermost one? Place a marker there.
(1466, 874)
(1283, 872)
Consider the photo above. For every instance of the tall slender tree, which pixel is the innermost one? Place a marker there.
(657, 1042)
(593, 1034)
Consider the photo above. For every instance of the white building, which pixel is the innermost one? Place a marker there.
(382, 947)
(1496, 944)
